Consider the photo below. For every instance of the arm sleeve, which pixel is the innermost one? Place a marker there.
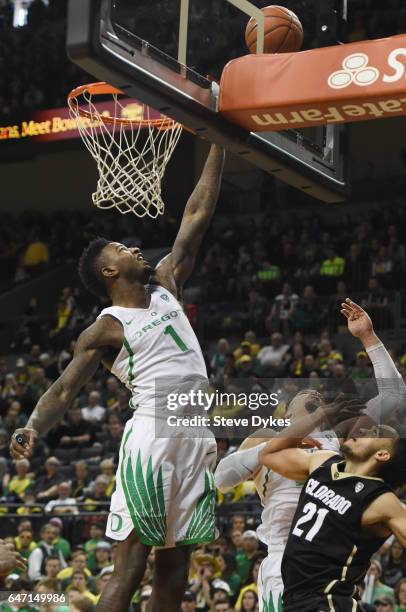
(392, 389)
(237, 467)
(34, 564)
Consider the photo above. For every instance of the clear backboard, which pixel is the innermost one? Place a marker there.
(170, 54)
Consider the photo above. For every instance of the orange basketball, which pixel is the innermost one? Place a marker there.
(283, 31)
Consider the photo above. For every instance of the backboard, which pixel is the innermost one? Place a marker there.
(170, 54)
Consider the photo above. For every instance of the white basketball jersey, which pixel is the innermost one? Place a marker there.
(159, 345)
(280, 496)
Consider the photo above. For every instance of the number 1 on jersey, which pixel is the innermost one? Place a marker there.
(170, 331)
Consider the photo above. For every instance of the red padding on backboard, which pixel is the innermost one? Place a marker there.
(354, 82)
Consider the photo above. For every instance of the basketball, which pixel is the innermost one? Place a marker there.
(283, 31)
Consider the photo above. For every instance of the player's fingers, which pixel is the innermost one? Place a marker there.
(346, 307)
(354, 305)
(16, 451)
(345, 313)
(312, 443)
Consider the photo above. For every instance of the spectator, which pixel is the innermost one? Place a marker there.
(249, 601)
(282, 309)
(188, 603)
(79, 583)
(229, 574)
(64, 503)
(77, 431)
(384, 603)
(362, 367)
(273, 357)
(22, 480)
(400, 593)
(98, 499)
(77, 563)
(252, 579)
(96, 536)
(333, 265)
(24, 543)
(46, 487)
(248, 552)
(374, 587)
(60, 543)
(222, 606)
(94, 412)
(108, 469)
(112, 444)
(45, 549)
(81, 480)
(394, 564)
(102, 580)
(52, 567)
(36, 255)
(112, 390)
(102, 558)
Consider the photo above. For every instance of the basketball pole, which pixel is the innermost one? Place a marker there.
(183, 32)
(255, 13)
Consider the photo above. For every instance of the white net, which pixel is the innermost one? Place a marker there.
(131, 153)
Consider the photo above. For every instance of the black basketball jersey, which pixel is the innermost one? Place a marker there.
(327, 550)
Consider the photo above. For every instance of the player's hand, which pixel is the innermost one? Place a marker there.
(342, 409)
(22, 443)
(359, 321)
(310, 442)
(10, 560)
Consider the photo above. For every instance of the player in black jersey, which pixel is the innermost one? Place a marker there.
(347, 509)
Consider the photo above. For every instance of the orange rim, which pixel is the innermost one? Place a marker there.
(100, 89)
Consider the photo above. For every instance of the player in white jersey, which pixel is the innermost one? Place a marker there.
(165, 490)
(279, 495)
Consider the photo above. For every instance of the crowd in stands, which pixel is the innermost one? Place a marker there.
(36, 73)
(284, 273)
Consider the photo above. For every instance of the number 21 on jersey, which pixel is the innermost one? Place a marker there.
(310, 511)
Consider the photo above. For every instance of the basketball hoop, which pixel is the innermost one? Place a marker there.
(131, 152)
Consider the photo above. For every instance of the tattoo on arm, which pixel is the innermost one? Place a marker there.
(174, 270)
(88, 354)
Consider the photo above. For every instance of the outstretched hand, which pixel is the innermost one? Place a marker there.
(359, 321)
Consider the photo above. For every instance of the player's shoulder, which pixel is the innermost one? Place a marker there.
(105, 331)
(322, 457)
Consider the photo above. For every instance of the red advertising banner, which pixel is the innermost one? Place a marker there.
(353, 82)
(55, 124)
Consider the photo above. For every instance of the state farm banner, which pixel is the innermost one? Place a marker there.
(354, 82)
(56, 124)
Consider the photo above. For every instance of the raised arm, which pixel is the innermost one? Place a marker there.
(391, 387)
(89, 352)
(244, 463)
(174, 270)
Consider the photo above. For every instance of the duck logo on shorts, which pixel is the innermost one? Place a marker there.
(355, 70)
(165, 297)
(359, 486)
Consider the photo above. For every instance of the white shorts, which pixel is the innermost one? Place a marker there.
(164, 489)
(270, 585)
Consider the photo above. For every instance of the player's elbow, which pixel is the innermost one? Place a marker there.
(223, 479)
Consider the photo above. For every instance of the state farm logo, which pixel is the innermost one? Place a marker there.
(355, 70)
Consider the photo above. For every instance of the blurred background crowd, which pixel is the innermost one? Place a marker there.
(264, 301)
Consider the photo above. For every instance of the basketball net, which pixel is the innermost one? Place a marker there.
(131, 153)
